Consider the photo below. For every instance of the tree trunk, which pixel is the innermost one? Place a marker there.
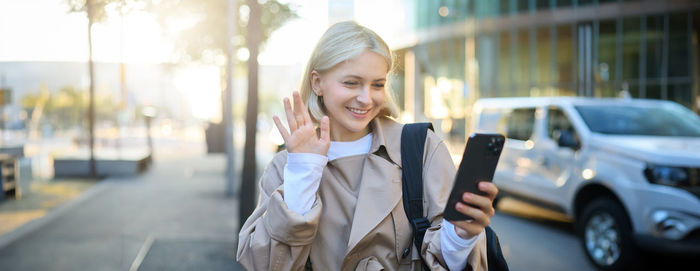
(91, 105)
(248, 194)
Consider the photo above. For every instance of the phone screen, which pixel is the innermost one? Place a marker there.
(478, 164)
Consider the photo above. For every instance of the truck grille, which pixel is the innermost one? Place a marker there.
(693, 182)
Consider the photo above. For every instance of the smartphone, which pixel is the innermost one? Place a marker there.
(478, 164)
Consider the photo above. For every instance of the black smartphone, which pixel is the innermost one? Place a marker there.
(478, 164)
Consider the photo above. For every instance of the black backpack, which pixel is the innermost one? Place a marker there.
(412, 145)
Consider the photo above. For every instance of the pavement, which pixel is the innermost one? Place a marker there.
(175, 216)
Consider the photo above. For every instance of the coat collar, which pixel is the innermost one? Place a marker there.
(387, 134)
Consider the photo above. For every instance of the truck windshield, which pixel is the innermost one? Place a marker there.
(662, 120)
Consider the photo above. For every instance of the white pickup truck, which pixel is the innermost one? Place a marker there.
(627, 171)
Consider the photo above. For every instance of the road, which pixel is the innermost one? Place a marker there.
(536, 239)
(533, 238)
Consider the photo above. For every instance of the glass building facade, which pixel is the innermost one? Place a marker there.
(468, 49)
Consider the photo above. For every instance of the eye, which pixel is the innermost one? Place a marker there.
(350, 83)
(378, 85)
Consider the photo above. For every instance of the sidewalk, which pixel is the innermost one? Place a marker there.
(42, 198)
(173, 217)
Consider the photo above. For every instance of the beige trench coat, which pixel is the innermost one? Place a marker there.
(276, 238)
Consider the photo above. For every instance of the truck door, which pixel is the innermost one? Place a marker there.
(558, 152)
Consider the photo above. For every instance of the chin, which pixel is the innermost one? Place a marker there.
(358, 127)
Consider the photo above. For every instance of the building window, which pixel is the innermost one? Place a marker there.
(564, 3)
(607, 58)
(542, 4)
(521, 74)
(679, 46)
(564, 77)
(655, 47)
(631, 41)
(543, 67)
(504, 63)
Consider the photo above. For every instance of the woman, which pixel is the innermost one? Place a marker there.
(332, 200)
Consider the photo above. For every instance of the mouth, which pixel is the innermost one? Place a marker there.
(359, 113)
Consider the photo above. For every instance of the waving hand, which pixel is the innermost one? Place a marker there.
(302, 137)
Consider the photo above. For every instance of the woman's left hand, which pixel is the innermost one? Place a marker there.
(481, 212)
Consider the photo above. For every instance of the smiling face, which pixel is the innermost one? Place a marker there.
(353, 94)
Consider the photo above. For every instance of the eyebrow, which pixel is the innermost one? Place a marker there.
(360, 78)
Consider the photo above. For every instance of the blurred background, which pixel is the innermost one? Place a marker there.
(163, 108)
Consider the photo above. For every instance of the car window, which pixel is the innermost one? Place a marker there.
(657, 120)
(557, 122)
(521, 123)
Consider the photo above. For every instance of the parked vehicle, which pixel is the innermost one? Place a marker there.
(627, 171)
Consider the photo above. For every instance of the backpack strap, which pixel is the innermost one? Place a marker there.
(412, 145)
(496, 260)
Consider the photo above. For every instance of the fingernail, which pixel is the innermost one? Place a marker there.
(483, 185)
(458, 206)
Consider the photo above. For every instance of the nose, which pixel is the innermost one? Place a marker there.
(363, 96)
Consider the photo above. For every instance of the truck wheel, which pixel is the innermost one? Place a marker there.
(606, 234)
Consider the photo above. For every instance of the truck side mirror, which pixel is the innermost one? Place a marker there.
(568, 140)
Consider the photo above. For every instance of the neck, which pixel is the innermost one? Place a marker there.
(348, 136)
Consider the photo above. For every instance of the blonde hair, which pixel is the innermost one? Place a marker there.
(341, 42)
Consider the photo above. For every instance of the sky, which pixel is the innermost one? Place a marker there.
(53, 34)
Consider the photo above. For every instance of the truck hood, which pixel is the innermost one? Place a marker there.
(672, 151)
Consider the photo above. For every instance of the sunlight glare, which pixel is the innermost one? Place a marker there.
(199, 85)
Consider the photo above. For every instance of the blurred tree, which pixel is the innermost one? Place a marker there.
(205, 40)
(247, 205)
(199, 27)
(95, 12)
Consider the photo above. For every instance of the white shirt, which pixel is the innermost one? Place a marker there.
(302, 177)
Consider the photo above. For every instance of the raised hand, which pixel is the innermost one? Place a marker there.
(302, 137)
(481, 213)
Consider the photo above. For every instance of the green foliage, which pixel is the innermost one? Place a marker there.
(205, 36)
(67, 107)
(94, 9)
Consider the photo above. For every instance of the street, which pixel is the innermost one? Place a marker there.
(533, 238)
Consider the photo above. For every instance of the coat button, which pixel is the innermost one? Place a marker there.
(405, 253)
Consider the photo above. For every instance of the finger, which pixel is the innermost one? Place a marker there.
(307, 117)
(476, 214)
(280, 128)
(290, 115)
(325, 129)
(481, 202)
(298, 109)
(490, 189)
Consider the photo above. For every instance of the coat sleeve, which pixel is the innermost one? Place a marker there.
(438, 177)
(275, 237)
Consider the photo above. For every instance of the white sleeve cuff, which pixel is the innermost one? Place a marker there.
(455, 250)
(302, 176)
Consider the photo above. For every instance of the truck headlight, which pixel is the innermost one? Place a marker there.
(671, 176)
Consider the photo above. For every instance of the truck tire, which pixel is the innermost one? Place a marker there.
(606, 235)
